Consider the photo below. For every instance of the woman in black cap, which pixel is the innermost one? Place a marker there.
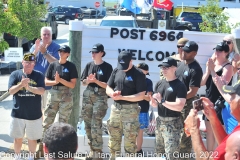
(62, 76)
(94, 105)
(221, 67)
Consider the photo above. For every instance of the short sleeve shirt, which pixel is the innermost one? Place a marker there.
(66, 71)
(102, 71)
(190, 74)
(26, 105)
(145, 104)
(170, 91)
(129, 83)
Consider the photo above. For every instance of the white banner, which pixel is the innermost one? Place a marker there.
(14, 54)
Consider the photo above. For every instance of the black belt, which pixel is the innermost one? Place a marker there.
(120, 106)
(59, 87)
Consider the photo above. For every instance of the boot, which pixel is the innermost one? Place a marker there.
(39, 153)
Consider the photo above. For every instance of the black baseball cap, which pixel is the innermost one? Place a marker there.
(65, 48)
(168, 62)
(124, 59)
(29, 57)
(98, 48)
(222, 46)
(190, 46)
(235, 89)
(143, 66)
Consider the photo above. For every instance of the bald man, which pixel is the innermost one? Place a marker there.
(233, 147)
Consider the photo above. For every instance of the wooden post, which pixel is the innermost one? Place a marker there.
(75, 43)
(236, 34)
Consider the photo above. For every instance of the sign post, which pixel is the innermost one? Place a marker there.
(97, 4)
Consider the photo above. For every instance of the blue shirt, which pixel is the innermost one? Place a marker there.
(41, 62)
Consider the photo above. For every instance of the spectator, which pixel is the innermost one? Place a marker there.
(60, 142)
(94, 105)
(126, 86)
(220, 67)
(192, 124)
(190, 73)
(180, 44)
(144, 104)
(170, 97)
(233, 147)
(26, 85)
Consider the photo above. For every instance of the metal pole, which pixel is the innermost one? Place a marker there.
(75, 43)
(96, 17)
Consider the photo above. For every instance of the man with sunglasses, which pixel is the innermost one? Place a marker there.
(180, 44)
(190, 73)
(26, 86)
(170, 97)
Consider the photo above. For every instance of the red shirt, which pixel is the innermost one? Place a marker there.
(220, 150)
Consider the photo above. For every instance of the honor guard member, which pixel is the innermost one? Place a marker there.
(94, 105)
(170, 97)
(144, 104)
(190, 73)
(26, 85)
(126, 86)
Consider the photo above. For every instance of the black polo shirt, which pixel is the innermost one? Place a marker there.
(129, 83)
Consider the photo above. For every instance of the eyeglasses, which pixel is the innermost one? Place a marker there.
(46, 34)
(95, 52)
(164, 68)
(217, 50)
(227, 42)
(27, 62)
(180, 46)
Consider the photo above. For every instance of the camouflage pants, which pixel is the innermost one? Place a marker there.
(186, 143)
(94, 108)
(123, 120)
(168, 132)
(58, 100)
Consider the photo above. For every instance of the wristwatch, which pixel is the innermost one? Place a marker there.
(44, 54)
(162, 101)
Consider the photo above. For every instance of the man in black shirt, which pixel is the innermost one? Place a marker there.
(190, 73)
(126, 86)
(170, 97)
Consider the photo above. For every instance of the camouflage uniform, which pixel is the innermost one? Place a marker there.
(59, 99)
(93, 111)
(168, 132)
(186, 143)
(123, 120)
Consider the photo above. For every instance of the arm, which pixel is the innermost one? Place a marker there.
(192, 92)
(109, 91)
(14, 89)
(101, 84)
(68, 84)
(146, 97)
(227, 74)
(234, 62)
(134, 98)
(36, 90)
(175, 106)
(49, 82)
(205, 77)
(50, 58)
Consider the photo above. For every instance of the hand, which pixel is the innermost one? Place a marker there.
(24, 82)
(116, 93)
(117, 97)
(43, 48)
(153, 102)
(157, 96)
(91, 78)
(192, 122)
(210, 64)
(218, 82)
(57, 77)
(37, 44)
(208, 109)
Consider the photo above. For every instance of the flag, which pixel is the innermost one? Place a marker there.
(165, 4)
(144, 5)
(131, 5)
(152, 124)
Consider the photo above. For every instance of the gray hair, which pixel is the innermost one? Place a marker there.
(235, 48)
(46, 28)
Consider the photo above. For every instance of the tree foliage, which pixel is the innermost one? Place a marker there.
(214, 20)
(29, 13)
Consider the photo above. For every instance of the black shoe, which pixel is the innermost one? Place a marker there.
(140, 153)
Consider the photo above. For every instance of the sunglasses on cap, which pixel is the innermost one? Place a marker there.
(227, 42)
(180, 46)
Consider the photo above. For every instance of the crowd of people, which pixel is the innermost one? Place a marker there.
(44, 86)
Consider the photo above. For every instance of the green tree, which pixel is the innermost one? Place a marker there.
(29, 13)
(214, 20)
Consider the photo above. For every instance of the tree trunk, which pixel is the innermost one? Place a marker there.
(18, 64)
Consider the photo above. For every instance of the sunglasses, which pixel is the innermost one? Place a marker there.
(217, 50)
(227, 42)
(180, 46)
(95, 52)
(164, 68)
